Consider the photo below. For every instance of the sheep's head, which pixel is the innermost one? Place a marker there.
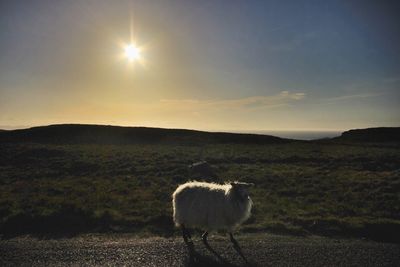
(241, 189)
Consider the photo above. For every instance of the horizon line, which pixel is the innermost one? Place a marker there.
(252, 131)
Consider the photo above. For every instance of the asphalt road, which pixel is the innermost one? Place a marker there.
(260, 250)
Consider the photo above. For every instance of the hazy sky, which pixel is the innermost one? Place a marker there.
(211, 65)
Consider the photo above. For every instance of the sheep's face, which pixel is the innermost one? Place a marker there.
(241, 190)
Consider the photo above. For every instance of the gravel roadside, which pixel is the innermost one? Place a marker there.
(260, 249)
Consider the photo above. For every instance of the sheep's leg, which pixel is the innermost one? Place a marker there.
(188, 241)
(188, 234)
(204, 238)
(237, 247)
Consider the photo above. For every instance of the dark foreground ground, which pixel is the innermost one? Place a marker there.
(261, 250)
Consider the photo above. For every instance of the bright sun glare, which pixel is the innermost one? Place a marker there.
(132, 52)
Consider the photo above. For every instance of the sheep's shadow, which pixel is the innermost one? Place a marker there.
(199, 260)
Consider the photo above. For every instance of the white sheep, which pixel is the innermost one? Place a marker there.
(211, 206)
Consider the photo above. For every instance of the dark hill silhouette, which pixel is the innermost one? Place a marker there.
(102, 134)
(380, 134)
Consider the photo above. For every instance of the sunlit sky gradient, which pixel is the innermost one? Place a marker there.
(210, 65)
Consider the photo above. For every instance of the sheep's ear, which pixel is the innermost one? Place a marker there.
(234, 184)
(242, 184)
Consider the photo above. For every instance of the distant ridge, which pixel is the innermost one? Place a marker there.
(105, 134)
(379, 134)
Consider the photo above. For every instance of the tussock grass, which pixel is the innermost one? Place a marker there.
(301, 188)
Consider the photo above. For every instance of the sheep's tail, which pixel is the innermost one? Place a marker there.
(175, 215)
(177, 224)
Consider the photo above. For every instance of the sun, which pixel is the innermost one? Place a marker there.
(132, 52)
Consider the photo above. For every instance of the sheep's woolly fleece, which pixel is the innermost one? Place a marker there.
(211, 206)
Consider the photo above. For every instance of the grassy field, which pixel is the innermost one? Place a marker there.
(301, 187)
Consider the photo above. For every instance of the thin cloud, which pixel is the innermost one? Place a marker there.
(394, 79)
(348, 97)
(284, 98)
